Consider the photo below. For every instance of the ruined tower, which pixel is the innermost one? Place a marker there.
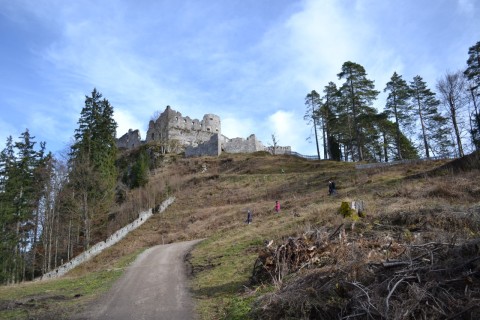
(172, 126)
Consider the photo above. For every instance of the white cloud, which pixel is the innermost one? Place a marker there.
(289, 130)
(246, 65)
(238, 128)
(126, 121)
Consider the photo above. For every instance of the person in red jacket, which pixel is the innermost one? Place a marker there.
(277, 206)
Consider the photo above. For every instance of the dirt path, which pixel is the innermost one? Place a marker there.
(153, 287)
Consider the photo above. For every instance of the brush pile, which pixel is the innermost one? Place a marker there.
(310, 250)
(374, 274)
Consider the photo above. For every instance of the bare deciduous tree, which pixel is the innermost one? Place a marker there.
(274, 145)
(452, 95)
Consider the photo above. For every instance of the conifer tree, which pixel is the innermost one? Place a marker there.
(140, 171)
(327, 112)
(434, 133)
(358, 93)
(20, 193)
(473, 65)
(8, 238)
(25, 198)
(93, 157)
(390, 140)
(312, 101)
(473, 75)
(398, 107)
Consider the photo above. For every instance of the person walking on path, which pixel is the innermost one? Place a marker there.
(249, 217)
(277, 206)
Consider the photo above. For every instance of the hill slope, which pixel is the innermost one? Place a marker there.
(214, 194)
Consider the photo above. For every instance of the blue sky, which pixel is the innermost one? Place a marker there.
(250, 62)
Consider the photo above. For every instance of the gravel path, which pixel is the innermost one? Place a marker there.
(153, 287)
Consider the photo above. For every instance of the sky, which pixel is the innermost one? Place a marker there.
(250, 62)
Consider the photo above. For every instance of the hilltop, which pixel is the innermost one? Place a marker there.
(431, 220)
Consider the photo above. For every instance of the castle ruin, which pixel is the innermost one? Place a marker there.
(130, 140)
(176, 133)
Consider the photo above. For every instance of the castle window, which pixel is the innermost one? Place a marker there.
(211, 119)
(153, 136)
(176, 118)
(208, 129)
(185, 120)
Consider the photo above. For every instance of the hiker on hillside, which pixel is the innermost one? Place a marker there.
(331, 188)
(249, 217)
(277, 206)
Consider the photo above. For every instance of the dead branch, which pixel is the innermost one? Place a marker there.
(333, 235)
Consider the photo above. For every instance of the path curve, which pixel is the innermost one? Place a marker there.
(153, 287)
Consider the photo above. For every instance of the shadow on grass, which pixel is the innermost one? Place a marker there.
(218, 290)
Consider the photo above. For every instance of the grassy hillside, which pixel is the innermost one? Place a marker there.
(406, 211)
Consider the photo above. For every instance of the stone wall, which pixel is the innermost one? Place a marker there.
(130, 140)
(99, 247)
(177, 133)
(279, 150)
(171, 125)
(211, 147)
(240, 145)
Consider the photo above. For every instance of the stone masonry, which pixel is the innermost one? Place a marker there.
(171, 125)
(211, 147)
(130, 140)
(99, 247)
(177, 133)
(237, 145)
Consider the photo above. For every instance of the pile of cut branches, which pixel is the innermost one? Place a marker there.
(369, 276)
(310, 250)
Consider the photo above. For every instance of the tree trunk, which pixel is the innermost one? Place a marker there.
(397, 129)
(34, 243)
(457, 134)
(477, 118)
(425, 142)
(329, 143)
(86, 221)
(385, 150)
(355, 124)
(325, 156)
(316, 136)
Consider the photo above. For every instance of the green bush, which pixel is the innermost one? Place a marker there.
(345, 210)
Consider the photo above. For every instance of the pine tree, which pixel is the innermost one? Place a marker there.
(328, 112)
(391, 140)
(473, 70)
(398, 107)
(359, 93)
(312, 101)
(433, 125)
(473, 75)
(370, 123)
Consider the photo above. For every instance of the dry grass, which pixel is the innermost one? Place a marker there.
(212, 204)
